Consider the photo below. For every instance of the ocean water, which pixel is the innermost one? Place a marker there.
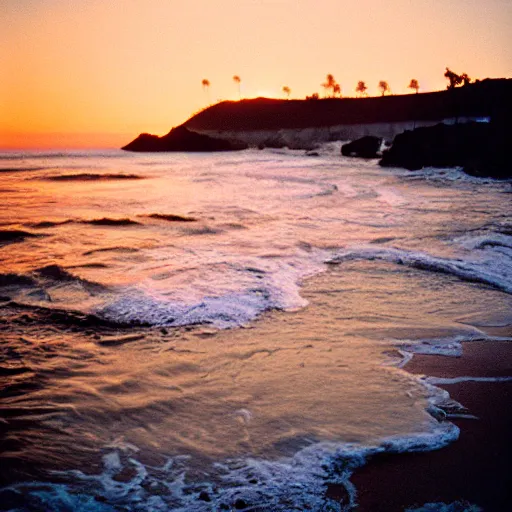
(226, 331)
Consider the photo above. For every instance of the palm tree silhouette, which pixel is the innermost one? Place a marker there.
(206, 88)
(330, 83)
(361, 88)
(287, 91)
(237, 81)
(384, 87)
(414, 84)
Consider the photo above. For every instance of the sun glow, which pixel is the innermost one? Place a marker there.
(95, 67)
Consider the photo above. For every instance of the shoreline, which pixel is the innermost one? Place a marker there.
(472, 470)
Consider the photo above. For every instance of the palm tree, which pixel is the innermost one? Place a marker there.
(384, 87)
(414, 84)
(237, 81)
(287, 91)
(465, 79)
(361, 88)
(330, 83)
(206, 88)
(453, 78)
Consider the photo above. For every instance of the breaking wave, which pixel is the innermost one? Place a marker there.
(292, 483)
(91, 177)
(13, 235)
(487, 271)
(170, 217)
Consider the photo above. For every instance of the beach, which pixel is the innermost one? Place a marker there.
(474, 468)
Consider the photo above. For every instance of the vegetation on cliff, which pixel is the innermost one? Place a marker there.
(480, 99)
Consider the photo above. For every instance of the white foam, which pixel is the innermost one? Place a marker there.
(225, 297)
(486, 271)
(457, 380)
(292, 483)
(491, 240)
(456, 506)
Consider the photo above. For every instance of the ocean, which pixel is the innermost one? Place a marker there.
(199, 332)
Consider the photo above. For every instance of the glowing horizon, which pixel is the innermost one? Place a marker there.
(96, 74)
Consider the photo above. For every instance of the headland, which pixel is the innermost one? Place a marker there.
(303, 124)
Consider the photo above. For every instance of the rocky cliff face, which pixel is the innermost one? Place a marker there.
(479, 148)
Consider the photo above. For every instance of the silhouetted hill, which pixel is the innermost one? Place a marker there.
(481, 99)
(181, 139)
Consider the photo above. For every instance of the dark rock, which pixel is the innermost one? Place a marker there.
(480, 148)
(365, 147)
(181, 139)
(274, 142)
(312, 153)
(204, 496)
(240, 504)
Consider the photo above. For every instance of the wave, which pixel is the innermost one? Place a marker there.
(456, 506)
(107, 221)
(9, 236)
(23, 155)
(486, 272)
(492, 240)
(48, 223)
(64, 318)
(57, 273)
(292, 483)
(21, 169)
(38, 284)
(170, 217)
(91, 177)
(111, 249)
(465, 378)
(230, 310)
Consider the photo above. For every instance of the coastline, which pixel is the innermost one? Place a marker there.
(474, 469)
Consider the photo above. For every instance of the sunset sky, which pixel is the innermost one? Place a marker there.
(96, 73)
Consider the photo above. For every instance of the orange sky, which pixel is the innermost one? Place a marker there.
(95, 73)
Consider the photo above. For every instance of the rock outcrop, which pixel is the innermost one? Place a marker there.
(365, 147)
(479, 148)
(182, 139)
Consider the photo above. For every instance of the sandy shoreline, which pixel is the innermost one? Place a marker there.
(474, 469)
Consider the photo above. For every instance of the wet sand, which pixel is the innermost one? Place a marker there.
(476, 468)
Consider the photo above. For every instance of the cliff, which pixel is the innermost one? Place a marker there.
(475, 100)
(304, 123)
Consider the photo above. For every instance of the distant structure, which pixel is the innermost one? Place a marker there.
(414, 84)
(384, 87)
(238, 81)
(361, 89)
(287, 91)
